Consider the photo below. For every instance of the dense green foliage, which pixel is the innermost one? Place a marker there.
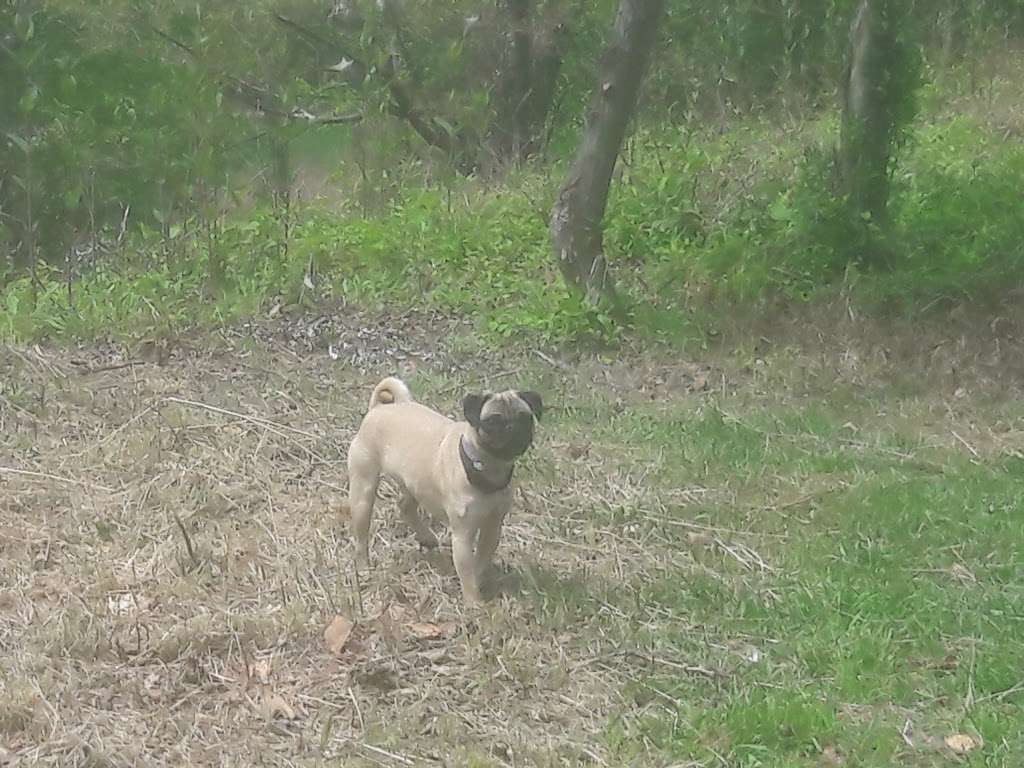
(753, 226)
(155, 158)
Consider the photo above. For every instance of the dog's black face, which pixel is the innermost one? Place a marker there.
(504, 421)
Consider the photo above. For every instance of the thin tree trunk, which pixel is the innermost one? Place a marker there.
(953, 28)
(520, 71)
(548, 57)
(868, 126)
(526, 83)
(576, 228)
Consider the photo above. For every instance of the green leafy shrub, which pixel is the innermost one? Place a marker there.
(955, 231)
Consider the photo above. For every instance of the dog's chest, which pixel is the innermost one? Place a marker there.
(481, 510)
(464, 509)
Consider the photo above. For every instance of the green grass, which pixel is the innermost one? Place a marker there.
(892, 592)
(891, 607)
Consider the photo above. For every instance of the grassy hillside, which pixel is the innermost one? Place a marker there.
(702, 220)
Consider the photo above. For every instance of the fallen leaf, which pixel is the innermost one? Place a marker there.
(427, 630)
(274, 705)
(337, 634)
(961, 743)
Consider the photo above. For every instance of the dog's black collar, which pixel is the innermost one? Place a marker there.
(476, 474)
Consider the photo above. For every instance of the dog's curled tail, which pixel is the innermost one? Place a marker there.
(390, 390)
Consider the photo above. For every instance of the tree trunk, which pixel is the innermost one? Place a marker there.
(526, 84)
(953, 23)
(868, 125)
(576, 228)
(548, 56)
(513, 117)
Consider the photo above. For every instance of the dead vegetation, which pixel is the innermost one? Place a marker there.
(177, 585)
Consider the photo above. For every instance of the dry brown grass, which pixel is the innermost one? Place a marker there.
(171, 551)
(172, 548)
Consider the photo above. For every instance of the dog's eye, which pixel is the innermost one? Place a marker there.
(494, 422)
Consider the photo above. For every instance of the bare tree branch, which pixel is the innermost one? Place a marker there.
(402, 104)
(258, 99)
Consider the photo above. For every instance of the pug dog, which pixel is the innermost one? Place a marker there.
(459, 471)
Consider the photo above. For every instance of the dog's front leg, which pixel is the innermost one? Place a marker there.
(465, 564)
(490, 534)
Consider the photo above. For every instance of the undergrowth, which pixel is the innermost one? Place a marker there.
(697, 225)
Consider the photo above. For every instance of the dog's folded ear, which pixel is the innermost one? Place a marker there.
(533, 400)
(471, 407)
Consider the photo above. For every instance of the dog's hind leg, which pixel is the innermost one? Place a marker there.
(363, 479)
(409, 509)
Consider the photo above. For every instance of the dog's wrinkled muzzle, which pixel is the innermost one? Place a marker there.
(507, 444)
